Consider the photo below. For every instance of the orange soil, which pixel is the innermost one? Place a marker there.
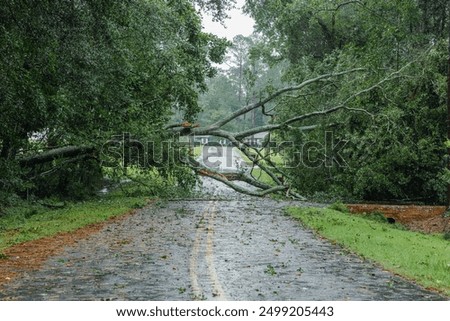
(31, 255)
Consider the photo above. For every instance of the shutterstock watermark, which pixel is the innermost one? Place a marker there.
(219, 154)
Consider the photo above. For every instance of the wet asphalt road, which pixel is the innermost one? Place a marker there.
(232, 248)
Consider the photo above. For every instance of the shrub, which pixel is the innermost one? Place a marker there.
(340, 207)
(377, 217)
(77, 181)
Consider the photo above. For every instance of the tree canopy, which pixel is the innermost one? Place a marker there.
(394, 133)
(353, 93)
(78, 72)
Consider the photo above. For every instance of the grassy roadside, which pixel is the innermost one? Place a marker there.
(27, 223)
(416, 256)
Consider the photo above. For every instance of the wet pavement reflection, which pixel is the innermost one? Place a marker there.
(230, 248)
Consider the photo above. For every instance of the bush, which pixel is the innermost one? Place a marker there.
(377, 217)
(340, 207)
(11, 183)
(76, 181)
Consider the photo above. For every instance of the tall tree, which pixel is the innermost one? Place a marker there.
(77, 72)
(395, 148)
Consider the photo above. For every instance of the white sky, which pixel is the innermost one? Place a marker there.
(237, 24)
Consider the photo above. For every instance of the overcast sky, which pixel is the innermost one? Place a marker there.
(238, 24)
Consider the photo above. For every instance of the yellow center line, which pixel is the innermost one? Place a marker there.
(196, 290)
(218, 292)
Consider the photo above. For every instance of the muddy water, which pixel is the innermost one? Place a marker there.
(233, 248)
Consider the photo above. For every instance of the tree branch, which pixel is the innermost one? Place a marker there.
(63, 152)
(343, 105)
(222, 178)
(280, 92)
(265, 164)
(227, 179)
(268, 128)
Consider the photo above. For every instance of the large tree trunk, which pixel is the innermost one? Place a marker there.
(63, 152)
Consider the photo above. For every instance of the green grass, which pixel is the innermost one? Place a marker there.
(198, 150)
(276, 158)
(262, 176)
(416, 256)
(257, 172)
(26, 223)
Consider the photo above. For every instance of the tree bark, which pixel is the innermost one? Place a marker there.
(63, 152)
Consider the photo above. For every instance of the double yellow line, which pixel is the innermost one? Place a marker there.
(208, 216)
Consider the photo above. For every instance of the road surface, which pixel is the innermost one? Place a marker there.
(224, 247)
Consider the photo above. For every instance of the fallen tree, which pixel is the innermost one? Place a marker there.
(281, 180)
(57, 153)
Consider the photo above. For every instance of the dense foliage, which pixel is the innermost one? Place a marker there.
(395, 149)
(78, 72)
